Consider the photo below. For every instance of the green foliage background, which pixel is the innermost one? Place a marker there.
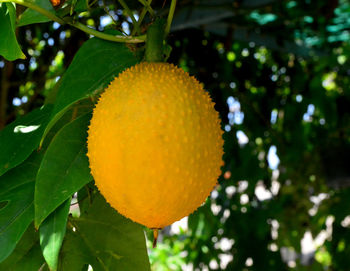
(278, 72)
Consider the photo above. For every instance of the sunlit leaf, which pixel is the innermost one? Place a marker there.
(9, 47)
(64, 169)
(27, 254)
(30, 16)
(105, 240)
(52, 232)
(92, 68)
(17, 192)
(21, 137)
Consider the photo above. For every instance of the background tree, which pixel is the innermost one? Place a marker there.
(278, 72)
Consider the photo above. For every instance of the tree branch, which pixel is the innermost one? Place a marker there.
(88, 30)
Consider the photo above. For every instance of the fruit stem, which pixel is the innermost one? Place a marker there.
(155, 237)
(155, 40)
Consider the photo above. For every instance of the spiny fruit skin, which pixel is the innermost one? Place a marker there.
(155, 145)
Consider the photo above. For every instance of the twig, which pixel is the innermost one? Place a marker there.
(116, 38)
(170, 16)
(142, 16)
(108, 12)
(147, 5)
(88, 30)
(128, 11)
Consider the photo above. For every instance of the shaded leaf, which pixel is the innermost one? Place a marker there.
(17, 190)
(27, 255)
(32, 261)
(30, 16)
(52, 232)
(95, 64)
(85, 196)
(106, 240)
(81, 6)
(21, 137)
(9, 47)
(64, 169)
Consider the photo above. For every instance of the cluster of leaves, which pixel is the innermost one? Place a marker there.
(278, 73)
(43, 163)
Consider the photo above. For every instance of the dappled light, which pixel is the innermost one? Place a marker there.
(25, 129)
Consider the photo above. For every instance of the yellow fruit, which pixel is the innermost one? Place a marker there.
(155, 145)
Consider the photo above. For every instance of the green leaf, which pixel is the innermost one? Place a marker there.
(106, 240)
(92, 68)
(21, 137)
(32, 261)
(81, 6)
(17, 192)
(27, 255)
(30, 16)
(64, 169)
(9, 47)
(52, 232)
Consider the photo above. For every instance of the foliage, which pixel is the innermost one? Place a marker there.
(278, 72)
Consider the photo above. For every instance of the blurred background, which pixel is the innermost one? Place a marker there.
(278, 72)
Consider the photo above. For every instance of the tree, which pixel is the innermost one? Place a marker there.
(278, 74)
